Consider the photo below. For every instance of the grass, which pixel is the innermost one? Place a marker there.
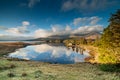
(47, 71)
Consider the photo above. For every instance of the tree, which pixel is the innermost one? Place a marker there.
(111, 35)
(110, 41)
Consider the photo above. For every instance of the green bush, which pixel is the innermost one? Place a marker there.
(24, 74)
(110, 67)
(10, 74)
(38, 74)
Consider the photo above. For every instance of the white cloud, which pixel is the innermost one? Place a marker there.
(20, 29)
(80, 30)
(94, 20)
(42, 33)
(68, 5)
(13, 30)
(88, 5)
(25, 23)
(32, 3)
(86, 20)
(68, 28)
(88, 29)
(86, 25)
(78, 21)
(56, 27)
(55, 30)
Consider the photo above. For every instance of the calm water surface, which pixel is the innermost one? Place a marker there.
(50, 53)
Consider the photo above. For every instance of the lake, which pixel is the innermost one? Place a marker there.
(52, 53)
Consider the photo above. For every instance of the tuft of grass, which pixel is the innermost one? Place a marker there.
(24, 74)
(38, 73)
(11, 74)
(12, 66)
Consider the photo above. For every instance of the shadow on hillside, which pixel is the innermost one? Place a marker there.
(110, 67)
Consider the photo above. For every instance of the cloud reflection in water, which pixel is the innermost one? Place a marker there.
(49, 53)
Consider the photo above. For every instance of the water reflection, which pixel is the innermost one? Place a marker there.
(77, 49)
(50, 53)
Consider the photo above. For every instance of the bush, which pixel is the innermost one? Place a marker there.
(10, 74)
(38, 74)
(110, 67)
(12, 66)
(24, 74)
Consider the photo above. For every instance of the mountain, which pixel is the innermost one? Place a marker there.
(92, 35)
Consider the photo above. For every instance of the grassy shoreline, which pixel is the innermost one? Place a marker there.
(6, 48)
(45, 71)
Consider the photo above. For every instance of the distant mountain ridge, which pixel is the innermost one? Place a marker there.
(92, 35)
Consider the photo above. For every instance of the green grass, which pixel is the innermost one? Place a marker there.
(46, 71)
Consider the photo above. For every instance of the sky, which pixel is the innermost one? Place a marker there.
(43, 18)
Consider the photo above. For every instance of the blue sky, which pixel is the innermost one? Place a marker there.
(38, 18)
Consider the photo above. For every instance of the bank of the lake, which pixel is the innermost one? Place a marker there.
(93, 51)
(8, 47)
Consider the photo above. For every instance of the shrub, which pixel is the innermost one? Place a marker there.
(110, 67)
(38, 74)
(24, 74)
(12, 66)
(10, 74)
